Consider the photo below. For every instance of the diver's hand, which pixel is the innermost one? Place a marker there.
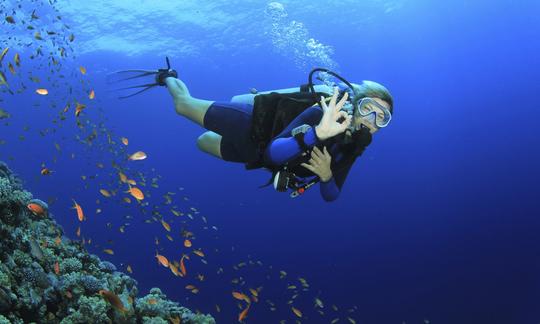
(320, 164)
(329, 125)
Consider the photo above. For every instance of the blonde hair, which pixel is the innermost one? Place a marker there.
(374, 90)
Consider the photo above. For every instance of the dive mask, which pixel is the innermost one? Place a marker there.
(373, 112)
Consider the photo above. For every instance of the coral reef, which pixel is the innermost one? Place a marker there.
(46, 280)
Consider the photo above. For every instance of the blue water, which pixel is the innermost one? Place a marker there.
(437, 221)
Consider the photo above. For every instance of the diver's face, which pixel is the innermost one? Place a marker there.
(368, 121)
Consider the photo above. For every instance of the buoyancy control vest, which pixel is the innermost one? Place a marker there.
(272, 113)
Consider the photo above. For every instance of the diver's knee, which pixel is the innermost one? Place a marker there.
(203, 141)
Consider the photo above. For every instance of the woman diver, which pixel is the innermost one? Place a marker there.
(303, 135)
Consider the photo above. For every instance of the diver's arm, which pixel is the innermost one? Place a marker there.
(282, 150)
(285, 147)
(249, 97)
(330, 189)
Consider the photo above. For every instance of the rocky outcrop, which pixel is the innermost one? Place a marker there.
(47, 278)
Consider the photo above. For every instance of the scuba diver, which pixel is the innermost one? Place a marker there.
(304, 135)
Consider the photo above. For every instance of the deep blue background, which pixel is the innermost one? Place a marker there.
(438, 219)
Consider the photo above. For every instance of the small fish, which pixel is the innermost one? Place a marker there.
(92, 95)
(183, 266)
(131, 182)
(36, 209)
(42, 91)
(124, 141)
(83, 70)
(17, 59)
(57, 268)
(11, 68)
(187, 243)
(113, 299)
(296, 311)
(3, 53)
(139, 155)
(253, 91)
(4, 114)
(37, 35)
(162, 260)
(105, 192)
(152, 301)
(109, 251)
(34, 16)
(254, 292)
(243, 314)
(136, 193)
(79, 108)
(71, 38)
(241, 296)
(58, 240)
(45, 171)
(10, 19)
(166, 225)
(3, 79)
(199, 253)
(80, 214)
(78, 231)
(174, 269)
(129, 269)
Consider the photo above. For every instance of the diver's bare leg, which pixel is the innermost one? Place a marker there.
(185, 105)
(210, 142)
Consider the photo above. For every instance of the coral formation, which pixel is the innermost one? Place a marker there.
(46, 280)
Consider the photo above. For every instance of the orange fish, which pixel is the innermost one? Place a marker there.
(152, 301)
(42, 91)
(113, 299)
(166, 225)
(254, 292)
(45, 171)
(56, 268)
(131, 182)
(124, 141)
(36, 209)
(296, 311)
(122, 176)
(243, 314)
(241, 296)
(162, 260)
(174, 269)
(109, 251)
(187, 243)
(175, 320)
(92, 95)
(182, 266)
(139, 155)
(136, 193)
(78, 109)
(105, 192)
(80, 214)
(129, 269)
(58, 240)
(199, 253)
(82, 69)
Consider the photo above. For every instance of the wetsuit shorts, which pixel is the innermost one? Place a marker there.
(233, 122)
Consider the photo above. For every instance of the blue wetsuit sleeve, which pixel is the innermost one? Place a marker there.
(284, 147)
(330, 190)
